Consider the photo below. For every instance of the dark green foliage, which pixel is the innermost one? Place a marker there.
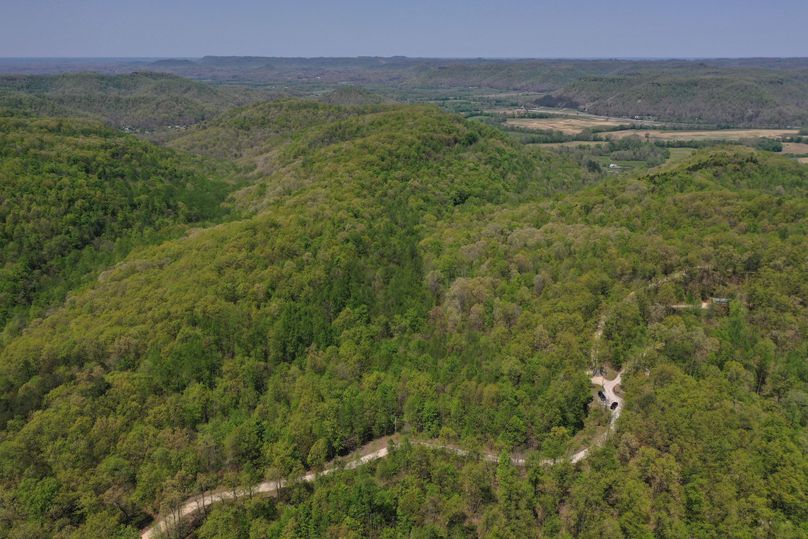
(75, 197)
(694, 93)
(769, 145)
(140, 101)
(396, 267)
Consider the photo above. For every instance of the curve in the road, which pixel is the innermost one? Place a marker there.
(202, 501)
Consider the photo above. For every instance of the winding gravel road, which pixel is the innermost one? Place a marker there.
(201, 502)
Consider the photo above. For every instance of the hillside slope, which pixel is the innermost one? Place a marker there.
(323, 286)
(136, 100)
(737, 97)
(401, 270)
(75, 196)
(713, 435)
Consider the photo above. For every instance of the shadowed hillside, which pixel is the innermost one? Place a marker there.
(729, 97)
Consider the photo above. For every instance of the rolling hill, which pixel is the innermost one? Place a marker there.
(739, 97)
(396, 269)
(140, 101)
(77, 196)
(745, 92)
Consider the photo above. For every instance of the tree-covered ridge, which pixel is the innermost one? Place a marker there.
(272, 141)
(293, 322)
(712, 442)
(735, 168)
(75, 196)
(247, 132)
(352, 95)
(423, 274)
(701, 94)
(136, 100)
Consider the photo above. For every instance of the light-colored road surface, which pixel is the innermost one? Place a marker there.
(608, 387)
(201, 502)
(704, 305)
(612, 398)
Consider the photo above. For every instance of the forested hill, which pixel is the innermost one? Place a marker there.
(75, 196)
(735, 97)
(137, 100)
(316, 299)
(396, 268)
(246, 133)
(751, 92)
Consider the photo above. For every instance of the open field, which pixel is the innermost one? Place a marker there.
(717, 134)
(575, 125)
(572, 144)
(795, 148)
(568, 126)
(679, 154)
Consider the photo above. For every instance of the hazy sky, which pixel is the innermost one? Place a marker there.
(456, 28)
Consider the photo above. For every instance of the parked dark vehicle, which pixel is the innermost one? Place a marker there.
(613, 406)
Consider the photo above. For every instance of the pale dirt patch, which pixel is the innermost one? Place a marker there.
(572, 144)
(803, 160)
(795, 148)
(568, 126)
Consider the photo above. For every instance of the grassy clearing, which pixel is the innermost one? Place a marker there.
(572, 144)
(679, 154)
(717, 134)
(568, 126)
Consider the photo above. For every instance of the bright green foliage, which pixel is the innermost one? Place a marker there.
(75, 197)
(397, 267)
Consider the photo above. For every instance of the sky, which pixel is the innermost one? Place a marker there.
(449, 28)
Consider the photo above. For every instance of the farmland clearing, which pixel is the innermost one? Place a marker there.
(568, 126)
(715, 134)
(795, 148)
(616, 128)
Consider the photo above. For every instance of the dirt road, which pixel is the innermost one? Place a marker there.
(201, 502)
(370, 452)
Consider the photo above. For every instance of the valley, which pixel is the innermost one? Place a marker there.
(400, 297)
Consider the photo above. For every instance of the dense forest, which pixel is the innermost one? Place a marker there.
(75, 197)
(735, 97)
(753, 92)
(361, 271)
(138, 101)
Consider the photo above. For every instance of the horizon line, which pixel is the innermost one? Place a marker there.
(361, 56)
